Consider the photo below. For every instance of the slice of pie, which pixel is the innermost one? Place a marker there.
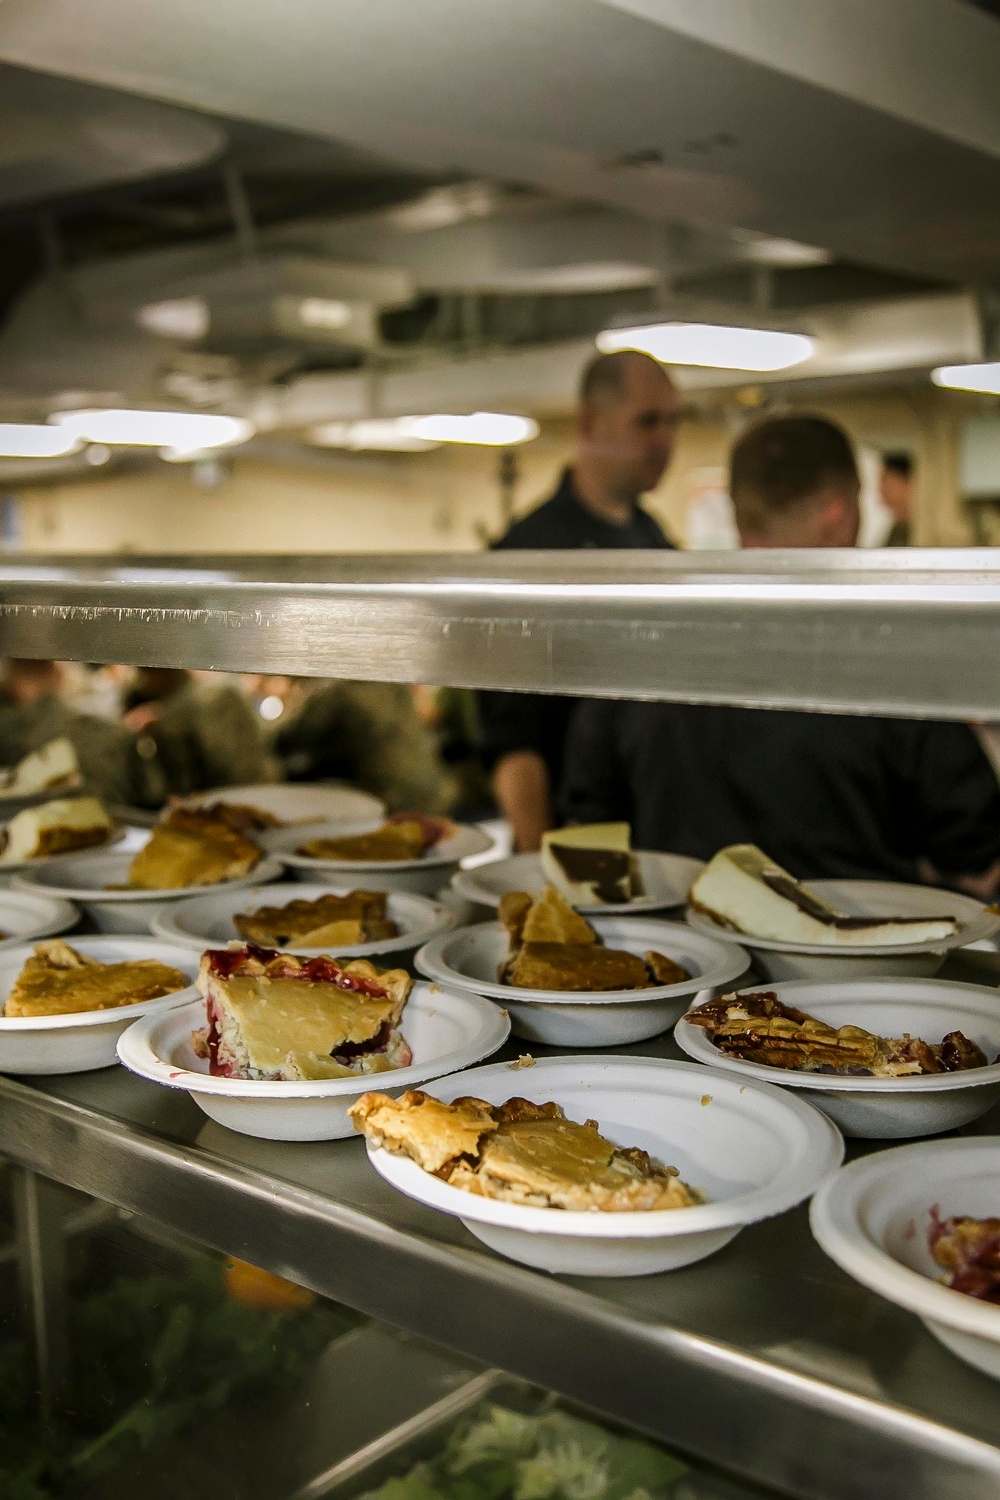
(58, 981)
(274, 1016)
(192, 847)
(760, 1028)
(520, 1152)
(554, 948)
(54, 766)
(592, 863)
(329, 921)
(55, 828)
(969, 1251)
(241, 816)
(403, 836)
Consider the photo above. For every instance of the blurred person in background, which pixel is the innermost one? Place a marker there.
(452, 716)
(195, 732)
(626, 423)
(36, 707)
(368, 734)
(823, 794)
(895, 488)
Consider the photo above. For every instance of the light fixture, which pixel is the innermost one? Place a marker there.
(386, 435)
(324, 312)
(181, 432)
(271, 707)
(711, 344)
(185, 318)
(31, 440)
(491, 429)
(984, 378)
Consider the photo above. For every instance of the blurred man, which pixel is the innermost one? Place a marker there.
(895, 487)
(823, 794)
(626, 423)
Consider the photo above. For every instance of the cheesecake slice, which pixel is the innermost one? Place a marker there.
(54, 765)
(272, 1016)
(54, 828)
(744, 890)
(592, 864)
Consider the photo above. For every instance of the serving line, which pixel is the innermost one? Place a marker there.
(764, 1357)
(910, 634)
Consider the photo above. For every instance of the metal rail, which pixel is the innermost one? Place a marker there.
(903, 632)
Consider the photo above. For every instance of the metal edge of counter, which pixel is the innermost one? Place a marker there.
(766, 1422)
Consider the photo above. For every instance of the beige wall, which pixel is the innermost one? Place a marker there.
(449, 500)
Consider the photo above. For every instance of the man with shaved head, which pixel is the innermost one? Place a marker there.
(626, 422)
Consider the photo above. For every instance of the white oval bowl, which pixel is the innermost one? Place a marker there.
(740, 1143)
(202, 922)
(425, 875)
(666, 878)
(873, 1219)
(120, 839)
(883, 1108)
(82, 878)
(25, 916)
(863, 898)
(446, 1031)
(81, 1042)
(296, 802)
(469, 958)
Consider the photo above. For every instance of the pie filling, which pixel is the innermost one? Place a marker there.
(57, 980)
(552, 947)
(520, 1152)
(329, 921)
(759, 1028)
(969, 1251)
(271, 1016)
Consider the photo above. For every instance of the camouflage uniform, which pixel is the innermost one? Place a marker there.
(204, 735)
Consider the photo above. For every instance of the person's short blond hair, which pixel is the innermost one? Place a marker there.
(784, 462)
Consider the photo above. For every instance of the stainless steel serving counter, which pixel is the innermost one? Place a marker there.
(897, 632)
(765, 1358)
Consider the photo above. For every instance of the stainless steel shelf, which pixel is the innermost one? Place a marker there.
(899, 632)
(764, 1358)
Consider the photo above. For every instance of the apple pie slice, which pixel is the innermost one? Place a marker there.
(59, 981)
(554, 948)
(404, 836)
(192, 846)
(273, 1016)
(520, 1152)
(328, 921)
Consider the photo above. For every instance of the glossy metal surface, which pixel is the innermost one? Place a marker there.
(765, 1358)
(898, 632)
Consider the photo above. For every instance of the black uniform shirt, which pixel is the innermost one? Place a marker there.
(823, 794)
(536, 721)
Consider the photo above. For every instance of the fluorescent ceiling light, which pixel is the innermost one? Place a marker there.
(28, 440)
(186, 318)
(711, 344)
(324, 312)
(491, 429)
(180, 431)
(984, 378)
(388, 435)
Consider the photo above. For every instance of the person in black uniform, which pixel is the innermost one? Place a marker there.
(627, 418)
(823, 794)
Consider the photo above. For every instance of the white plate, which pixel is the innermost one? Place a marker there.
(753, 1149)
(84, 1041)
(425, 875)
(666, 878)
(25, 917)
(866, 898)
(83, 878)
(122, 839)
(295, 802)
(883, 1108)
(873, 1219)
(469, 959)
(207, 921)
(446, 1031)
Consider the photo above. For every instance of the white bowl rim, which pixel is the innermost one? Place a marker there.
(266, 869)
(823, 1153)
(982, 922)
(93, 941)
(696, 1043)
(118, 834)
(732, 961)
(470, 885)
(834, 1220)
(54, 914)
(137, 1050)
(246, 793)
(472, 841)
(167, 926)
